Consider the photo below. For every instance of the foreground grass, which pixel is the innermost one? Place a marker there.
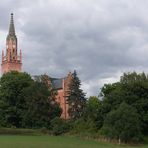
(16, 141)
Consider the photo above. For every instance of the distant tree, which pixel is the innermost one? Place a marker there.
(41, 107)
(93, 111)
(76, 98)
(123, 124)
(12, 105)
(25, 102)
(112, 96)
(132, 89)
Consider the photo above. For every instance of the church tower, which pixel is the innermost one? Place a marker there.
(11, 61)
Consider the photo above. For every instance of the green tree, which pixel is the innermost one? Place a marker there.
(93, 111)
(41, 108)
(76, 98)
(132, 89)
(12, 105)
(25, 102)
(123, 124)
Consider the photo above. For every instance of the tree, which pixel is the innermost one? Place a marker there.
(123, 124)
(93, 111)
(25, 102)
(12, 105)
(41, 108)
(132, 89)
(76, 98)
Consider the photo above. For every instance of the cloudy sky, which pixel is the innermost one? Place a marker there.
(101, 39)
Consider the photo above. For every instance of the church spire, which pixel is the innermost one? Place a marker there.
(12, 61)
(11, 33)
(11, 27)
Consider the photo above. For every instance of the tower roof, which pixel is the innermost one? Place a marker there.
(11, 33)
(11, 27)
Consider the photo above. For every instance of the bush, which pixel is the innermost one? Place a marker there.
(84, 127)
(59, 126)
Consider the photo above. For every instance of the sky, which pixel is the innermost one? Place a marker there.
(100, 39)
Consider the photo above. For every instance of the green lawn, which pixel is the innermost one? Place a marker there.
(53, 142)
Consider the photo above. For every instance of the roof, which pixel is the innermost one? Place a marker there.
(11, 33)
(57, 83)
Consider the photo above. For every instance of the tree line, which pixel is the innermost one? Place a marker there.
(119, 112)
(26, 103)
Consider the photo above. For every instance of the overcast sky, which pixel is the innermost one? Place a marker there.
(100, 39)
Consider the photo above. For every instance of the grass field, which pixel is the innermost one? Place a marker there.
(54, 142)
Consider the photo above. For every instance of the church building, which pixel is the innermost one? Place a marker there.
(12, 61)
(61, 85)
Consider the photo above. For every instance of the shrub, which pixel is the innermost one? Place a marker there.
(59, 126)
(84, 127)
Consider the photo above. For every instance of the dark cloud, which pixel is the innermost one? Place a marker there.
(101, 39)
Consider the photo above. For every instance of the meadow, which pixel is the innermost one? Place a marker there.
(45, 141)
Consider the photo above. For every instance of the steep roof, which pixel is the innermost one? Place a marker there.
(11, 33)
(56, 83)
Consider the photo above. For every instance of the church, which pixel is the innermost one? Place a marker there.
(12, 61)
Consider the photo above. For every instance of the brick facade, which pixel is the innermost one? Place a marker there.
(62, 95)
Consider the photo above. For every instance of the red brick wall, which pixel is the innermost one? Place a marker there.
(9, 66)
(62, 95)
